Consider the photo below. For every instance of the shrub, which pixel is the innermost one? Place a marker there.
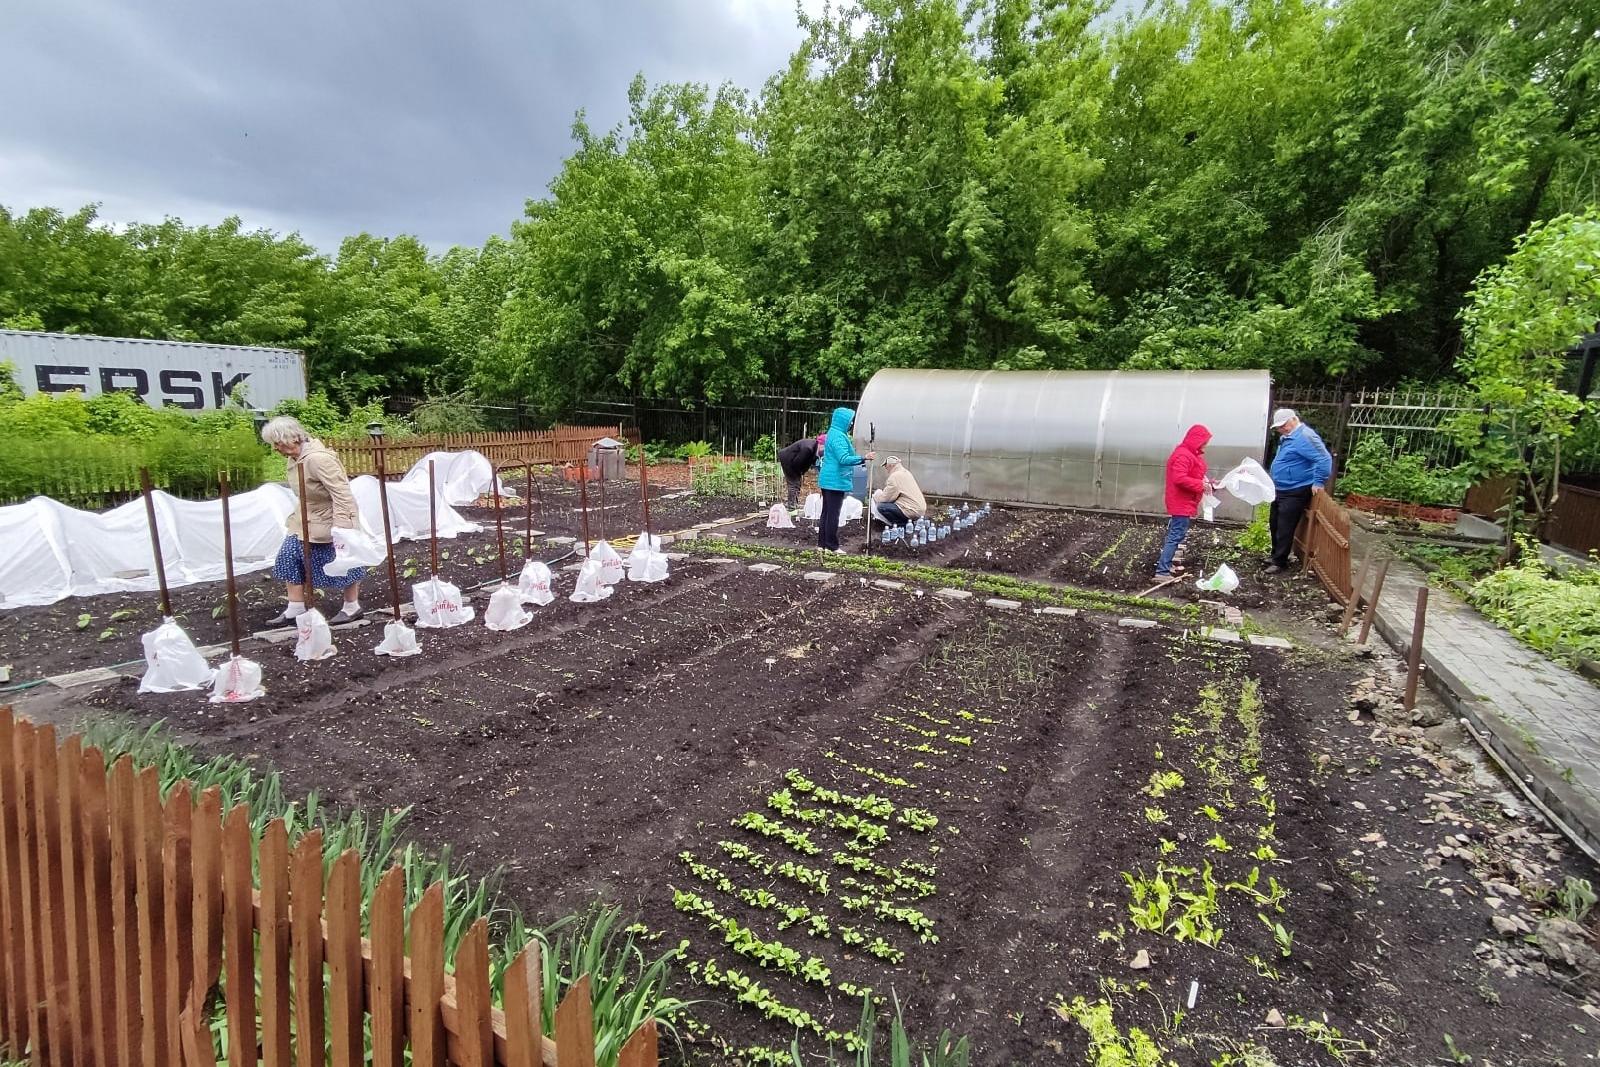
(322, 418)
(447, 414)
(1376, 469)
(766, 448)
(45, 415)
(1557, 614)
(694, 450)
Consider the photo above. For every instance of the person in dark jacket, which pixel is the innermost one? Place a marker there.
(796, 459)
(1186, 484)
(833, 476)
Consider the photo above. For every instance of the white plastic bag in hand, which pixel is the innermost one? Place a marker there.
(778, 518)
(610, 562)
(534, 583)
(505, 610)
(354, 548)
(399, 640)
(1249, 482)
(440, 605)
(172, 663)
(313, 639)
(590, 586)
(813, 507)
(1208, 506)
(238, 680)
(1223, 580)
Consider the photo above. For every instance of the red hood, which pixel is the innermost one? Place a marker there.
(1196, 438)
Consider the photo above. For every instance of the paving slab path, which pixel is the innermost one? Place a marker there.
(1540, 718)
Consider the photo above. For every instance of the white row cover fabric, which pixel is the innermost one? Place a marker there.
(49, 551)
(462, 477)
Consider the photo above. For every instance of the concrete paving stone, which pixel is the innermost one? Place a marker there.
(1217, 633)
(675, 556)
(274, 637)
(885, 583)
(953, 594)
(92, 676)
(687, 535)
(1053, 610)
(213, 650)
(1262, 641)
(722, 559)
(1003, 604)
(764, 568)
(820, 576)
(1137, 624)
(563, 540)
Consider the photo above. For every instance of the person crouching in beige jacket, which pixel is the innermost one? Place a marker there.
(328, 504)
(900, 500)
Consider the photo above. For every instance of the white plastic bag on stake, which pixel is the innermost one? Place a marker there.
(505, 610)
(591, 587)
(610, 562)
(851, 511)
(354, 548)
(1208, 506)
(399, 640)
(1222, 580)
(778, 518)
(647, 563)
(813, 507)
(238, 680)
(535, 582)
(172, 663)
(313, 638)
(1249, 482)
(440, 605)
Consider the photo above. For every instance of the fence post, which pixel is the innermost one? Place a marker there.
(1414, 659)
(273, 876)
(305, 948)
(575, 1027)
(1372, 605)
(11, 907)
(238, 937)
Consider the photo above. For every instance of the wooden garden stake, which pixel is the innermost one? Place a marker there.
(644, 486)
(527, 516)
(499, 524)
(308, 591)
(433, 522)
(155, 539)
(1372, 605)
(1355, 594)
(1414, 658)
(602, 500)
(388, 535)
(227, 563)
(583, 503)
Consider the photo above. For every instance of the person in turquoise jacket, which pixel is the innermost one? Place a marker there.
(833, 476)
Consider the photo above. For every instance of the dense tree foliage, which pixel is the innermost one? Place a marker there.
(1305, 185)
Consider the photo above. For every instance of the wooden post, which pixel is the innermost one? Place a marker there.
(306, 950)
(227, 564)
(1414, 659)
(1372, 605)
(583, 502)
(644, 486)
(602, 500)
(499, 522)
(433, 521)
(149, 490)
(388, 534)
(308, 590)
(527, 515)
(1355, 594)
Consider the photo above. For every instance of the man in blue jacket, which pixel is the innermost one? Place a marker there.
(1302, 466)
(834, 471)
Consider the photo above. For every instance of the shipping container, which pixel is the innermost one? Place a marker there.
(180, 374)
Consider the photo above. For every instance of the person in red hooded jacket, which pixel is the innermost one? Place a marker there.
(1186, 484)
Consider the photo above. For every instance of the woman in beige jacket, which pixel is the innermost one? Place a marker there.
(328, 504)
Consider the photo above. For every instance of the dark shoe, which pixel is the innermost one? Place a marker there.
(345, 616)
(280, 620)
(1273, 568)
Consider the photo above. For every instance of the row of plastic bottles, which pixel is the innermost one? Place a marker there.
(925, 531)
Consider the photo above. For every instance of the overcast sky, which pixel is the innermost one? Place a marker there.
(331, 117)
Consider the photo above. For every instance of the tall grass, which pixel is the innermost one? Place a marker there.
(627, 986)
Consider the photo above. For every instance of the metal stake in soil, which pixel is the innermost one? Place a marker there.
(1414, 659)
(499, 525)
(227, 564)
(602, 502)
(527, 513)
(308, 591)
(644, 487)
(388, 536)
(433, 522)
(155, 539)
(866, 505)
(1372, 605)
(583, 502)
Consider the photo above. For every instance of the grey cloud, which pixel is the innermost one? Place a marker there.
(337, 116)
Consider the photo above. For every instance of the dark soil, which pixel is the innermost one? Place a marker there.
(588, 752)
(39, 642)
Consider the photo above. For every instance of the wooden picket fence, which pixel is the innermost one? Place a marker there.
(126, 920)
(563, 444)
(1324, 542)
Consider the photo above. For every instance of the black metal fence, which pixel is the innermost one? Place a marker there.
(1410, 420)
(731, 428)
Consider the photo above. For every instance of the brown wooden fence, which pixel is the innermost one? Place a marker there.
(563, 444)
(1324, 543)
(125, 920)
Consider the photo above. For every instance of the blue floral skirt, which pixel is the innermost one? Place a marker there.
(291, 566)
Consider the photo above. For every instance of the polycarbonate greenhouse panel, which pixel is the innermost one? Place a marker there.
(180, 374)
(1094, 439)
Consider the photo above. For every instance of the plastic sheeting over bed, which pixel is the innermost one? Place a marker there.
(49, 551)
(462, 477)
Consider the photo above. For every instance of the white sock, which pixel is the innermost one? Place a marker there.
(352, 606)
(295, 609)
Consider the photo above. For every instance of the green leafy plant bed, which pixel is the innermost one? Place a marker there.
(832, 800)
(1556, 613)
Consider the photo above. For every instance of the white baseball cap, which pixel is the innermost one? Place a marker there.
(1281, 416)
